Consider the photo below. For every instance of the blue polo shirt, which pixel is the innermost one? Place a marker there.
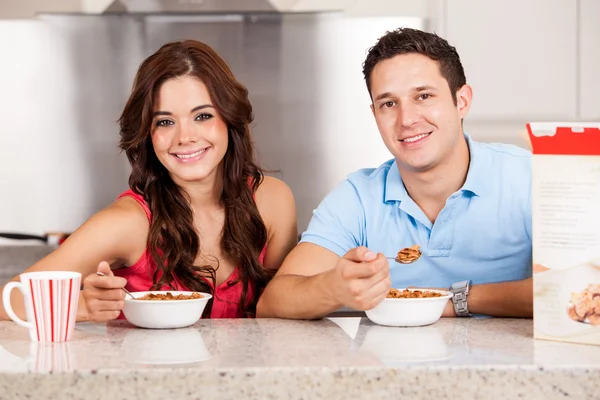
(483, 233)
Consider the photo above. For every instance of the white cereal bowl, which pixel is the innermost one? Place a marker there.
(164, 314)
(410, 312)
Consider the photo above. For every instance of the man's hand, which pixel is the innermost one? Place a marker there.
(361, 279)
(448, 309)
(539, 268)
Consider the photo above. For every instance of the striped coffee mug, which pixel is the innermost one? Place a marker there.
(51, 299)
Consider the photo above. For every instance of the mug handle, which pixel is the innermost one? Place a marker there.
(7, 306)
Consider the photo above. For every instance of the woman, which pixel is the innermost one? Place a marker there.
(200, 215)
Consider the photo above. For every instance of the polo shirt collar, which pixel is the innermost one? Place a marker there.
(475, 183)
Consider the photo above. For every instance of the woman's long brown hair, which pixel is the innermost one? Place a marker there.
(173, 241)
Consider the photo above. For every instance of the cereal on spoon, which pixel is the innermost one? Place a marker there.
(409, 255)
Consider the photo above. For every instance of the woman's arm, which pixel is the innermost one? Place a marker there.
(116, 235)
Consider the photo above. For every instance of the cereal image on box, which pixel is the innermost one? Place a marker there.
(585, 305)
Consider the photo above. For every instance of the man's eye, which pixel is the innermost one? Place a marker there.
(424, 96)
(387, 104)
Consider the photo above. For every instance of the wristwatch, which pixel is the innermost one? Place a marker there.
(460, 291)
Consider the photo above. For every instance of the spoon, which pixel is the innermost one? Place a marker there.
(401, 262)
(123, 289)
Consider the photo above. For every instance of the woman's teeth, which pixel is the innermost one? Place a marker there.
(192, 155)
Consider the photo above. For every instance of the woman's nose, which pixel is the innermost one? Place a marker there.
(186, 134)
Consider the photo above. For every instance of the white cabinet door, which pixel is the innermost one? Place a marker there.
(29, 8)
(589, 68)
(519, 56)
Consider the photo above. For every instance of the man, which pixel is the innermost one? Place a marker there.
(467, 204)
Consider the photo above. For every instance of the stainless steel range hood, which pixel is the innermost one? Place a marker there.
(31, 8)
(223, 6)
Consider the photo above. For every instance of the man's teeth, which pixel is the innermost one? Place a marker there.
(415, 138)
(196, 154)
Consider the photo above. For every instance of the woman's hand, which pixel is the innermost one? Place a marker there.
(103, 296)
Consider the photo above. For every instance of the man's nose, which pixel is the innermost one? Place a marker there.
(409, 115)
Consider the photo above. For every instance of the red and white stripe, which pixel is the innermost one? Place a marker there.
(54, 303)
(54, 357)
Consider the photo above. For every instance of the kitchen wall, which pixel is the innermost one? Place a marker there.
(69, 76)
(64, 81)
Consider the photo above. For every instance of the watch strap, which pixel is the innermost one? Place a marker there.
(459, 300)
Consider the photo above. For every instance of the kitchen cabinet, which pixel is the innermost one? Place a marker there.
(519, 56)
(386, 8)
(29, 8)
(589, 66)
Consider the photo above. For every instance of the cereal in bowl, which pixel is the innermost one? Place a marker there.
(411, 294)
(169, 296)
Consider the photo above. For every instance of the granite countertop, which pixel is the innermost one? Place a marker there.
(334, 358)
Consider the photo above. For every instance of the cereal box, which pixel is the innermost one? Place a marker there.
(566, 231)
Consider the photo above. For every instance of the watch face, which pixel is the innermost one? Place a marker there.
(460, 285)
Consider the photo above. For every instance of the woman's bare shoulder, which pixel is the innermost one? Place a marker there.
(273, 189)
(124, 211)
(119, 229)
(276, 205)
(275, 201)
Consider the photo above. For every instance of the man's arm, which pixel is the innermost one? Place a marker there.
(327, 270)
(314, 282)
(301, 293)
(503, 299)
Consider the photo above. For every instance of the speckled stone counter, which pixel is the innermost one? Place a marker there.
(337, 358)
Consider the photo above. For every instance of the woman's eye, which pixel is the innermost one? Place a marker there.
(164, 122)
(203, 117)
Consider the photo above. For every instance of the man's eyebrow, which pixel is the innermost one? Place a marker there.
(423, 88)
(383, 96)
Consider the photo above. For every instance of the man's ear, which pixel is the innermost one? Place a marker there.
(372, 109)
(464, 97)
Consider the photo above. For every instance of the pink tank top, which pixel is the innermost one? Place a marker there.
(226, 296)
